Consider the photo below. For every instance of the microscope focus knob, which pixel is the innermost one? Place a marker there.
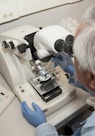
(22, 48)
(11, 45)
(5, 44)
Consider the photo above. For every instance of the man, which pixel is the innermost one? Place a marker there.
(84, 51)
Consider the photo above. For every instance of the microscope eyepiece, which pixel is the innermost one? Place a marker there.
(59, 45)
(65, 45)
(70, 38)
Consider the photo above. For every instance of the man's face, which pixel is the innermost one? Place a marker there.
(82, 75)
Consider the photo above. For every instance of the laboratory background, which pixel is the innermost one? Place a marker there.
(44, 21)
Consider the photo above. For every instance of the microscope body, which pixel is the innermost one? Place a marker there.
(32, 80)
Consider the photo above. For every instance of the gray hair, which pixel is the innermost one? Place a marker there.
(84, 43)
(84, 47)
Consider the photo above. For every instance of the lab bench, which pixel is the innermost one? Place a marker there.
(12, 122)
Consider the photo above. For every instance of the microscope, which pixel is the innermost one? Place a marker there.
(25, 58)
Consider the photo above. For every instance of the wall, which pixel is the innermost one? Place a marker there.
(13, 9)
(50, 16)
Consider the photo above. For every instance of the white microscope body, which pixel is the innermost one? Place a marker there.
(27, 76)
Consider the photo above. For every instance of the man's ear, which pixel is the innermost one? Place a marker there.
(92, 81)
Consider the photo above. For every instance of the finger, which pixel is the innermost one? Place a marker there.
(26, 108)
(36, 107)
(56, 60)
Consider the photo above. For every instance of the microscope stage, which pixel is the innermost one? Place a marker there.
(26, 92)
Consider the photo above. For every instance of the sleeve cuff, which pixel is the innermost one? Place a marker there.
(46, 129)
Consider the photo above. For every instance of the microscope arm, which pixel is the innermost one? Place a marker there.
(45, 39)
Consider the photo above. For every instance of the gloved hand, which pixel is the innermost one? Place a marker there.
(35, 117)
(64, 61)
(70, 69)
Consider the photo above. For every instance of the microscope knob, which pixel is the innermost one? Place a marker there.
(5, 44)
(11, 45)
(59, 45)
(22, 48)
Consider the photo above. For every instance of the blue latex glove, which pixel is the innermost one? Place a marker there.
(70, 69)
(64, 61)
(35, 117)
